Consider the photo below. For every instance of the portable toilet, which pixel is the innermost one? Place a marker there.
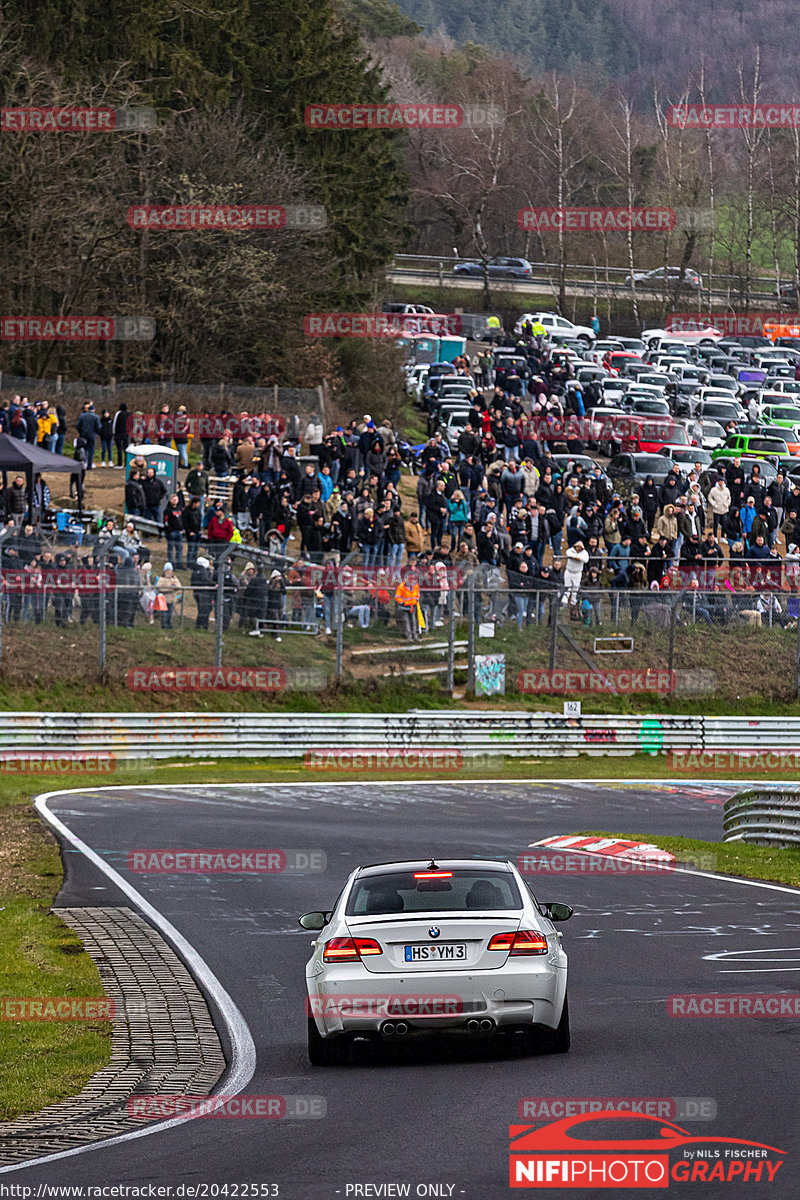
(163, 458)
(426, 348)
(451, 347)
(421, 347)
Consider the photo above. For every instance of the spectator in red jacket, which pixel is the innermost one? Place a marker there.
(220, 527)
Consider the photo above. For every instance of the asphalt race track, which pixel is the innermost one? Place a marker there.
(421, 1117)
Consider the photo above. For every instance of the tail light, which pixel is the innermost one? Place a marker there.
(349, 949)
(524, 941)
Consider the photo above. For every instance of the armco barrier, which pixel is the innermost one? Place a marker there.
(285, 735)
(756, 733)
(765, 816)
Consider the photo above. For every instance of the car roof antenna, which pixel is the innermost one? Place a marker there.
(433, 865)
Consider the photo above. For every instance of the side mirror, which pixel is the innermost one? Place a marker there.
(314, 920)
(556, 911)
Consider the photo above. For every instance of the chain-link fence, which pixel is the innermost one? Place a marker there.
(103, 612)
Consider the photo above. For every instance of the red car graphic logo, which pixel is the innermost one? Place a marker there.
(556, 1136)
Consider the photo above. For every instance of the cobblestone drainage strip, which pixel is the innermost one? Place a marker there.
(163, 1043)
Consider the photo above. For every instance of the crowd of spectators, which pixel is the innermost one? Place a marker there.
(495, 501)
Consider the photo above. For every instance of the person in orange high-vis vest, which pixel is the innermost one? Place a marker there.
(406, 598)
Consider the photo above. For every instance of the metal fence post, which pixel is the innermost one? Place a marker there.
(672, 619)
(337, 616)
(554, 606)
(471, 635)
(102, 614)
(222, 560)
(451, 641)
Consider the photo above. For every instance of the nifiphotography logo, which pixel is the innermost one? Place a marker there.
(574, 1153)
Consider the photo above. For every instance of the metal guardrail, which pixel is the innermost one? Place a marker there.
(600, 271)
(599, 280)
(741, 733)
(291, 735)
(764, 816)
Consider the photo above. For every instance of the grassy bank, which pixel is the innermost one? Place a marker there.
(44, 668)
(40, 1061)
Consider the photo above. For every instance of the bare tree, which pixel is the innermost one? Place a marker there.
(468, 174)
(554, 127)
(752, 140)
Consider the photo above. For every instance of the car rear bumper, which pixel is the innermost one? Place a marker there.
(438, 1002)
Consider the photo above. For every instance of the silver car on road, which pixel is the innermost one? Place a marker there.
(426, 948)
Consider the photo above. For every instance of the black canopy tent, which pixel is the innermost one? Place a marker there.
(19, 456)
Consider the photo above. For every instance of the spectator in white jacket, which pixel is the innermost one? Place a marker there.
(719, 502)
(577, 558)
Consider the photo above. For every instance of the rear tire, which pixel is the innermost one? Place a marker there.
(552, 1041)
(325, 1052)
(558, 1040)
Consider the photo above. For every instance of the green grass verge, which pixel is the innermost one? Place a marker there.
(765, 863)
(40, 1061)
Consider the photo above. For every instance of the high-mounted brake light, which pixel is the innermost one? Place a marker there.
(524, 941)
(434, 875)
(349, 949)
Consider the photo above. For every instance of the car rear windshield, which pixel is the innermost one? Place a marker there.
(726, 411)
(437, 890)
(645, 464)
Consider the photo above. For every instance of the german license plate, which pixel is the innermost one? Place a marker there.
(446, 952)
